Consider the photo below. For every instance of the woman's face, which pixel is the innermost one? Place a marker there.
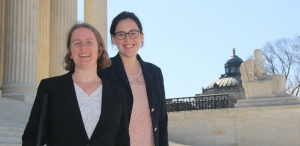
(84, 48)
(128, 47)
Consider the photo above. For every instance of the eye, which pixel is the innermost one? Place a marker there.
(120, 34)
(89, 42)
(77, 43)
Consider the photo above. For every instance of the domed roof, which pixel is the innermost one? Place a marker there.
(234, 58)
(225, 82)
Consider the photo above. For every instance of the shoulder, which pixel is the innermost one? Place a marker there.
(55, 79)
(112, 87)
(156, 70)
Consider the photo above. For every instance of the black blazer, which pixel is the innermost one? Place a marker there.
(64, 122)
(155, 92)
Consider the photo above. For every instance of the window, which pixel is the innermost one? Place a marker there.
(237, 69)
(232, 69)
(227, 70)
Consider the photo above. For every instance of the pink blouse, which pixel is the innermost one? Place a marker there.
(140, 126)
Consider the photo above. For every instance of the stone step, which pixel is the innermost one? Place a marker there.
(266, 103)
(6, 100)
(14, 107)
(3, 144)
(12, 124)
(10, 140)
(11, 134)
(11, 129)
(267, 99)
(171, 143)
(14, 121)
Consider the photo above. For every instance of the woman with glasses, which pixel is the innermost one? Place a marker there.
(142, 81)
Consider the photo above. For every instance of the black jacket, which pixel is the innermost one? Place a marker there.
(155, 92)
(64, 122)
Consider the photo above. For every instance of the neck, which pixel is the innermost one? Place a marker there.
(85, 75)
(131, 65)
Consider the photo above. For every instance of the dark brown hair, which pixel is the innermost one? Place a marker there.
(103, 59)
(122, 16)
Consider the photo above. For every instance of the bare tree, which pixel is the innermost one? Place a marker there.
(283, 56)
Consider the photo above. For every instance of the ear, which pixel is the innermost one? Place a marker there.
(113, 40)
(142, 36)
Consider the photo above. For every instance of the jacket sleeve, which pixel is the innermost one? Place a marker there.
(163, 117)
(123, 132)
(30, 133)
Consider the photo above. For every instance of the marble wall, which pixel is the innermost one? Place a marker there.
(259, 126)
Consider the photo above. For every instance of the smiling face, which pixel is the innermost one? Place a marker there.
(84, 48)
(128, 47)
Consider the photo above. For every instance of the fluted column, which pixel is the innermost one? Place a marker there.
(44, 40)
(2, 38)
(95, 13)
(21, 50)
(63, 15)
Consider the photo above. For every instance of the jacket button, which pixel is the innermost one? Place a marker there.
(155, 129)
(152, 110)
(128, 107)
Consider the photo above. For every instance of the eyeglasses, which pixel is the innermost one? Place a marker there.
(132, 34)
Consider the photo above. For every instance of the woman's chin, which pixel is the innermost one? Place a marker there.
(85, 66)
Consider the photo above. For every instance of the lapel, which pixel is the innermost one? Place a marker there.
(149, 79)
(121, 70)
(106, 94)
(147, 73)
(70, 95)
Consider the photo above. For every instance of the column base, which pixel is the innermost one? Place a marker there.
(19, 91)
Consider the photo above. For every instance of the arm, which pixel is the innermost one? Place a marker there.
(163, 117)
(259, 66)
(30, 133)
(123, 132)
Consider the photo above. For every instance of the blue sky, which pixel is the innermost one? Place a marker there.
(191, 40)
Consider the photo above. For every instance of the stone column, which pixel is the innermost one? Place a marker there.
(2, 38)
(21, 50)
(95, 13)
(63, 15)
(44, 40)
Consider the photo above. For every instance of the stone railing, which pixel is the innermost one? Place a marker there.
(203, 102)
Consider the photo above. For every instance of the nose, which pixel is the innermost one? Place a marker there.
(127, 37)
(83, 46)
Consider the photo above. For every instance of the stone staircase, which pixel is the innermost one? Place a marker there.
(13, 119)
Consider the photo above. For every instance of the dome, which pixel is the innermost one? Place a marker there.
(234, 59)
(225, 82)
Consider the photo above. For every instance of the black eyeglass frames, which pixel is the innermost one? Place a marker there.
(132, 34)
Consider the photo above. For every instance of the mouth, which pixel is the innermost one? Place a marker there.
(84, 55)
(129, 46)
